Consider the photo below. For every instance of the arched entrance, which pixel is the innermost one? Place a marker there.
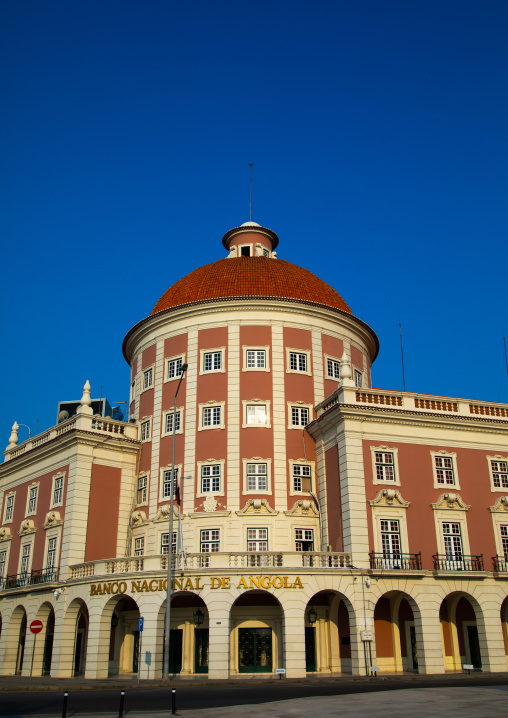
(189, 634)
(43, 648)
(461, 643)
(327, 633)
(395, 625)
(15, 643)
(504, 626)
(256, 633)
(73, 646)
(123, 636)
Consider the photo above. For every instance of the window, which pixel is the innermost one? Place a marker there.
(9, 508)
(390, 543)
(304, 539)
(245, 250)
(256, 359)
(358, 377)
(31, 506)
(165, 544)
(298, 362)
(133, 391)
(211, 415)
(57, 497)
(171, 418)
(145, 430)
(498, 466)
(302, 474)
(139, 546)
(51, 554)
(299, 416)
(333, 368)
(167, 482)
(210, 540)
(142, 494)
(148, 378)
(256, 413)
(444, 470)
(504, 542)
(174, 367)
(212, 360)
(257, 539)
(210, 478)
(25, 558)
(453, 545)
(257, 477)
(3, 564)
(385, 470)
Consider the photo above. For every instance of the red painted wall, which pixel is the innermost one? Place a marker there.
(334, 507)
(102, 528)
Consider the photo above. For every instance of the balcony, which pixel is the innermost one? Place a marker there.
(21, 580)
(442, 562)
(400, 561)
(500, 564)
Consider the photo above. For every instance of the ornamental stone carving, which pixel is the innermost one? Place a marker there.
(27, 527)
(138, 518)
(52, 519)
(500, 507)
(451, 500)
(163, 512)
(257, 506)
(389, 497)
(5, 533)
(303, 507)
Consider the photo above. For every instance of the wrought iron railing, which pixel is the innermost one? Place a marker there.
(443, 562)
(500, 563)
(405, 561)
(32, 578)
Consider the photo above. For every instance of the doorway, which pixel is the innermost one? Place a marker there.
(255, 650)
(310, 649)
(201, 650)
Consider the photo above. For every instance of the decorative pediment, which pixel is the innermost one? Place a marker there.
(452, 501)
(27, 527)
(211, 504)
(257, 506)
(500, 507)
(163, 512)
(52, 519)
(303, 507)
(5, 534)
(389, 497)
(138, 518)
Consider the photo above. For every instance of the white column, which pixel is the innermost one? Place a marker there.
(218, 638)
(234, 420)
(294, 639)
(279, 477)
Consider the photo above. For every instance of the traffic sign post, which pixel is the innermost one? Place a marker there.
(35, 627)
(141, 621)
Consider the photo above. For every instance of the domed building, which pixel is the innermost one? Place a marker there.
(315, 524)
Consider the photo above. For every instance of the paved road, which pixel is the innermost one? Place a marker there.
(217, 695)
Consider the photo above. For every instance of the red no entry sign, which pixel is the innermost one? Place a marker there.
(36, 626)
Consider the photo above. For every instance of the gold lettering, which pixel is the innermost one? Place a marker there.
(99, 589)
(263, 584)
(225, 582)
(286, 582)
(161, 584)
(216, 582)
(93, 589)
(254, 580)
(188, 584)
(165, 584)
(144, 586)
(106, 587)
(198, 579)
(113, 589)
(135, 586)
(297, 583)
(177, 582)
(242, 583)
(122, 587)
(152, 587)
(279, 579)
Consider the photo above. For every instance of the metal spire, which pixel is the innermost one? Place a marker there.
(251, 165)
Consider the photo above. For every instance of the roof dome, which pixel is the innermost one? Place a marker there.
(250, 277)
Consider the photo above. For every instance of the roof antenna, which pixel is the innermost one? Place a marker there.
(251, 165)
(505, 355)
(402, 357)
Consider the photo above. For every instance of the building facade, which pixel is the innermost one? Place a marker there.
(319, 525)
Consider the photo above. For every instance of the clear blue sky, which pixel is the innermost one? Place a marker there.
(379, 136)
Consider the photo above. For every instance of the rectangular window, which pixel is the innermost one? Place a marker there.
(257, 539)
(174, 368)
(139, 546)
(385, 470)
(32, 499)
(444, 470)
(165, 544)
(3, 562)
(256, 358)
(212, 416)
(299, 416)
(358, 378)
(212, 361)
(142, 489)
(58, 490)
(256, 414)
(145, 430)
(301, 478)
(390, 542)
(25, 558)
(453, 545)
(333, 369)
(304, 539)
(9, 508)
(148, 378)
(210, 479)
(504, 541)
(167, 482)
(298, 362)
(168, 425)
(499, 474)
(210, 540)
(257, 477)
(51, 554)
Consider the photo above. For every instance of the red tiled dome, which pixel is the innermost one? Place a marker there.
(242, 277)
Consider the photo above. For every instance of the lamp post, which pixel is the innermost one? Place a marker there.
(169, 587)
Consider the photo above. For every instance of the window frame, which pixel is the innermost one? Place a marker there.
(169, 412)
(145, 420)
(141, 477)
(208, 541)
(210, 462)
(443, 516)
(26, 543)
(144, 372)
(307, 353)
(256, 402)
(10, 495)
(163, 469)
(395, 454)
(498, 458)
(256, 540)
(297, 540)
(167, 362)
(299, 405)
(442, 454)
(265, 349)
(257, 460)
(56, 477)
(211, 405)
(357, 373)
(216, 350)
(138, 541)
(336, 360)
(301, 462)
(34, 485)
(4, 549)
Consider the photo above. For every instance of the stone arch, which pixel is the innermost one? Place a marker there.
(328, 632)
(15, 642)
(189, 641)
(504, 626)
(73, 639)
(118, 650)
(398, 633)
(463, 631)
(43, 648)
(256, 628)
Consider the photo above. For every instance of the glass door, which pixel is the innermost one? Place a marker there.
(310, 649)
(201, 650)
(255, 650)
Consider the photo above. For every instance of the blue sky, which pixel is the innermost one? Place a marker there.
(378, 131)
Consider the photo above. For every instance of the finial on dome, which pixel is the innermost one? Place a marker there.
(13, 438)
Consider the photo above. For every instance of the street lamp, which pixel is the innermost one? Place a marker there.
(169, 586)
(199, 617)
(312, 616)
